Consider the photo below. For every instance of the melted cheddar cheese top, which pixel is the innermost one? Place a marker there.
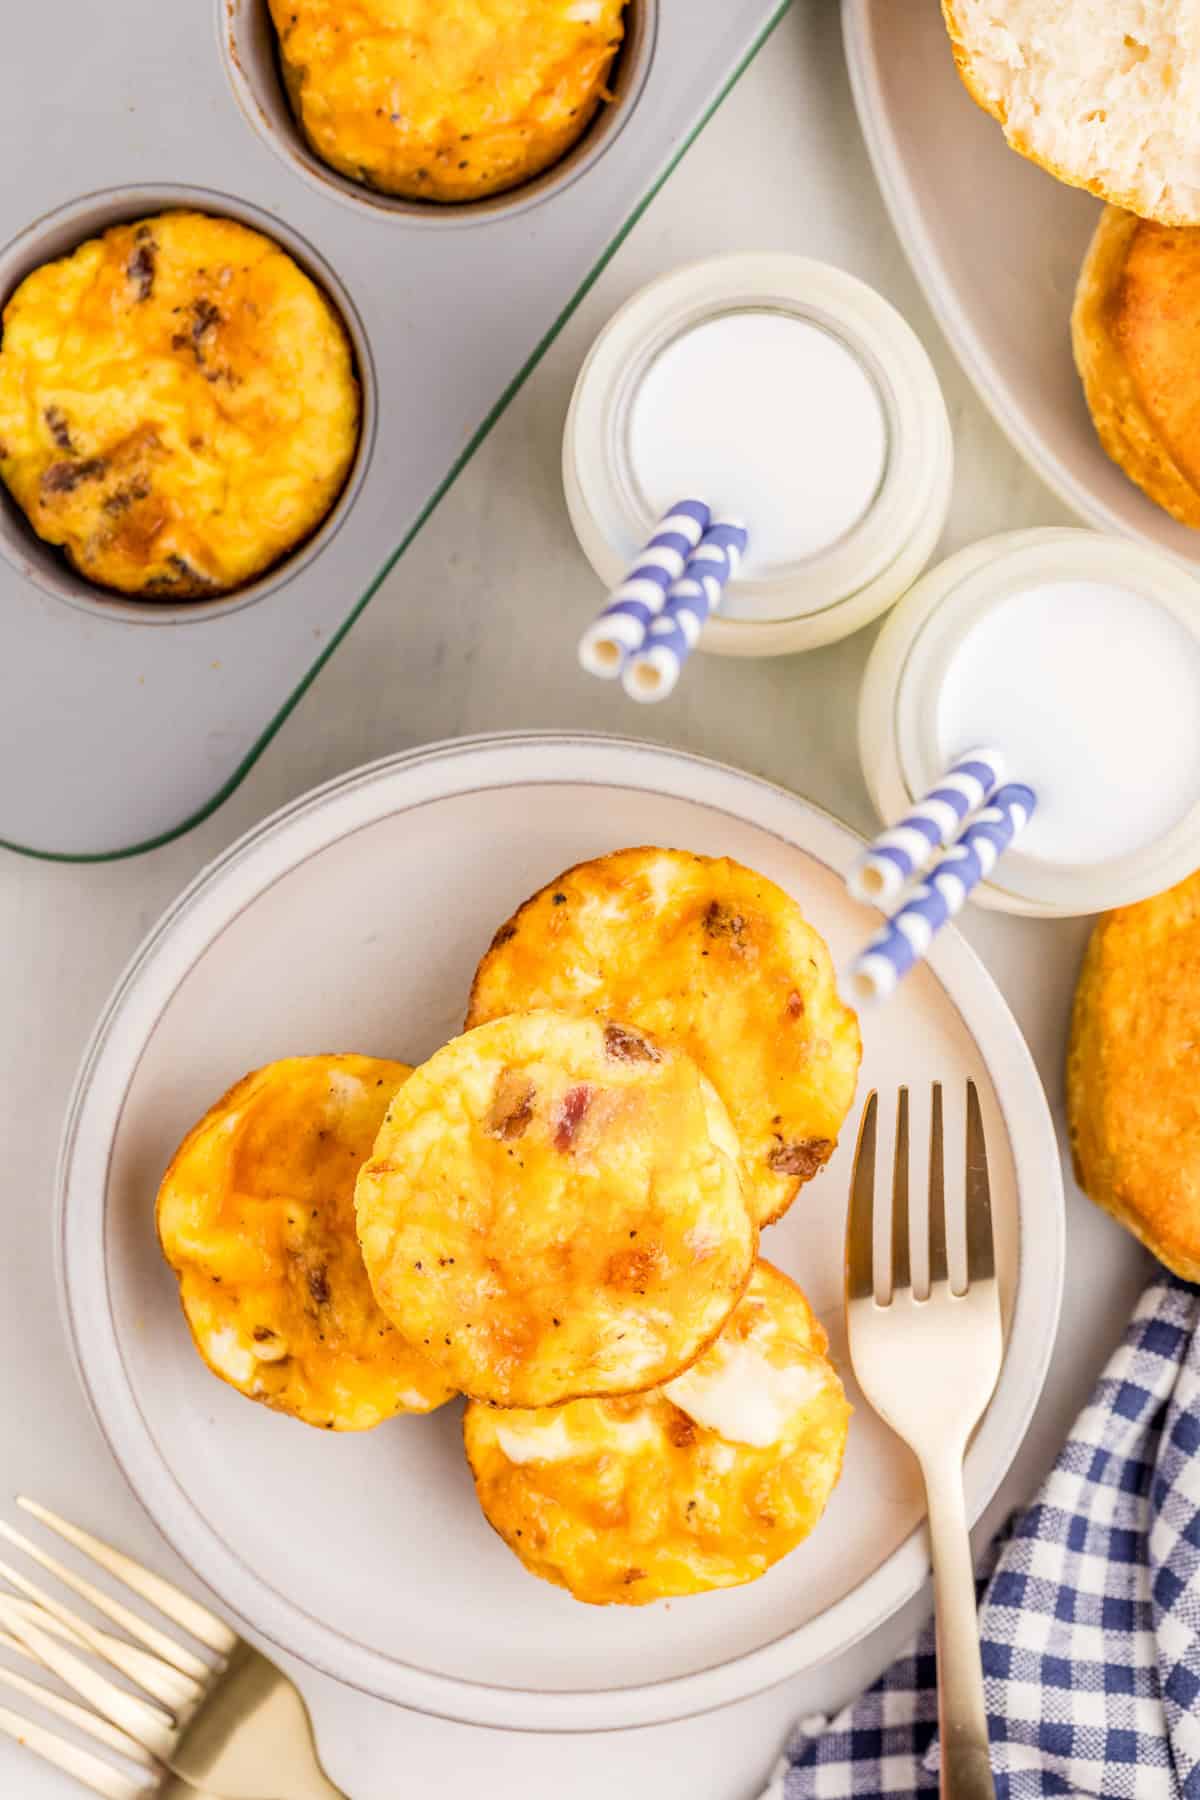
(446, 100)
(178, 405)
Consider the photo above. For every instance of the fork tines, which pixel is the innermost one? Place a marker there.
(173, 1679)
(891, 1274)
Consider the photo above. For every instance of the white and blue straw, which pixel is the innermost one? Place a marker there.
(621, 627)
(898, 854)
(905, 939)
(651, 672)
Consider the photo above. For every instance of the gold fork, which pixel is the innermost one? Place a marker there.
(225, 1725)
(928, 1366)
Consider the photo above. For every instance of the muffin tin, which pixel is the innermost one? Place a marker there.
(129, 721)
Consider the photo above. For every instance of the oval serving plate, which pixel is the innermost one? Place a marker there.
(996, 244)
(353, 920)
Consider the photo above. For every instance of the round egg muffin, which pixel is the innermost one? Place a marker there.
(445, 100)
(1133, 1073)
(707, 955)
(178, 406)
(703, 1483)
(555, 1207)
(256, 1217)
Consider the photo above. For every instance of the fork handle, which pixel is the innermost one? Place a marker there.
(966, 1772)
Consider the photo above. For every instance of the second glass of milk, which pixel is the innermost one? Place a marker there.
(1078, 655)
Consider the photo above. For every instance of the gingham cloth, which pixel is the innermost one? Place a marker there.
(1089, 1615)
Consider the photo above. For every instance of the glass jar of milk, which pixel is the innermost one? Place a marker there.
(1077, 655)
(783, 392)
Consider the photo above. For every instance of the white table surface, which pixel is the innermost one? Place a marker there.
(475, 630)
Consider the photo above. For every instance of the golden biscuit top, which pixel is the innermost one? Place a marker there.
(702, 1483)
(705, 954)
(555, 1207)
(446, 101)
(1155, 323)
(1133, 1087)
(256, 1217)
(178, 405)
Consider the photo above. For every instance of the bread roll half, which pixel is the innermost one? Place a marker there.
(1136, 335)
(1105, 94)
(1133, 1098)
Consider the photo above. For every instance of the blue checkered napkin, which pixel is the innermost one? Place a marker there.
(1089, 1615)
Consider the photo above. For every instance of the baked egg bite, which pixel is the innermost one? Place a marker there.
(256, 1217)
(707, 955)
(445, 100)
(703, 1483)
(555, 1207)
(178, 406)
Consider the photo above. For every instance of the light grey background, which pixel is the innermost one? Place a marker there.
(475, 630)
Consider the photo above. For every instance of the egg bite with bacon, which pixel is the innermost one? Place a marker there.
(441, 101)
(179, 408)
(555, 1207)
(708, 955)
(256, 1217)
(702, 1483)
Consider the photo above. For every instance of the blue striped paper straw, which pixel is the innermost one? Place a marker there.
(651, 672)
(905, 938)
(896, 855)
(621, 627)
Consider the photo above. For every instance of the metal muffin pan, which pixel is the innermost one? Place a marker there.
(123, 723)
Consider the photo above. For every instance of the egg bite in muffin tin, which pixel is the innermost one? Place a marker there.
(445, 304)
(447, 103)
(702, 1483)
(256, 1217)
(446, 113)
(709, 955)
(179, 408)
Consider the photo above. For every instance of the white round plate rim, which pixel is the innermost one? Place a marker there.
(253, 864)
(969, 345)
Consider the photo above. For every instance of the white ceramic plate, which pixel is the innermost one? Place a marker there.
(997, 244)
(353, 920)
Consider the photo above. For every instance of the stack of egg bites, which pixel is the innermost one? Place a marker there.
(558, 1216)
(179, 406)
